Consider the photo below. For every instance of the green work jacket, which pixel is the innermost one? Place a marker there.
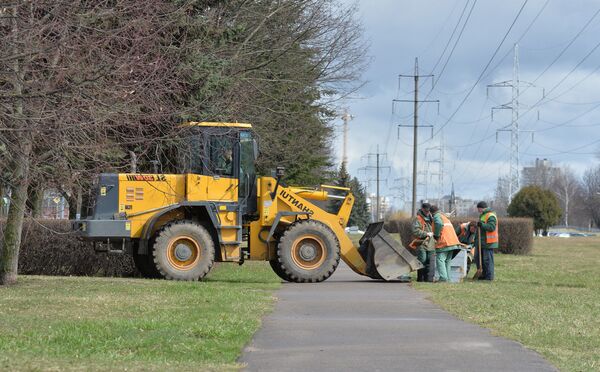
(417, 229)
(485, 227)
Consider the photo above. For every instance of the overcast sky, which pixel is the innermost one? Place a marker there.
(569, 116)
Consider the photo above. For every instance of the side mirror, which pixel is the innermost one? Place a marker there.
(279, 171)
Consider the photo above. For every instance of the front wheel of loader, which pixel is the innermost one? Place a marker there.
(183, 250)
(278, 270)
(308, 252)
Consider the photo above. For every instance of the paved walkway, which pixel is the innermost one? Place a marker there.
(350, 323)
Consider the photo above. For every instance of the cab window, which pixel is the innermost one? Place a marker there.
(221, 156)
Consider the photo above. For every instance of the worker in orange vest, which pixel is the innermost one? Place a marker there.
(422, 240)
(446, 242)
(487, 225)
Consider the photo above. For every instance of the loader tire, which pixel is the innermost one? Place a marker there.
(144, 263)
(308, 252)
(183, 250)
(278, 270)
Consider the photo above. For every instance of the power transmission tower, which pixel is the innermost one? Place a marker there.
(438, 160)
(400, 187)
(415, 127)
(379, 158)
(514, 105)
(346, 117)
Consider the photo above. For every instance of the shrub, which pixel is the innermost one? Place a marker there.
(48, 248)
(516, 234)
(540, 204)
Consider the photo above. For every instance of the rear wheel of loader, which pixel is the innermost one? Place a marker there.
(183, 250)
(308, 251)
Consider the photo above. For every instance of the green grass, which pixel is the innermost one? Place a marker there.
(77, 323)
(549, 301)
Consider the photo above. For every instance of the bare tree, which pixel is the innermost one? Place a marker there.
(80, 83)
(591, 183)
(501, 196)
(567, 186)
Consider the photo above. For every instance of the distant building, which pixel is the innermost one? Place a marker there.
(458, 206)
(540, 173)
(384, 206)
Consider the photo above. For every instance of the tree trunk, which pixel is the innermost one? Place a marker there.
(35, 199)
(3, 193)
(11, 240)
(20, 158)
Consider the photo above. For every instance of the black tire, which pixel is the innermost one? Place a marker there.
(145, 263)
(308, 252)
(278, 270)
(183, 250)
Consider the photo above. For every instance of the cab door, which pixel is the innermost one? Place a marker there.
(222, 180)
(247, 174)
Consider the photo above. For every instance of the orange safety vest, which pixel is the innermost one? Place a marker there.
(416, 242)
(448, 236)
(463, 229)
(422, 221)
(490, 236)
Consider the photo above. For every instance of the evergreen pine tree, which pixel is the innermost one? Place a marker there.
(360, 215)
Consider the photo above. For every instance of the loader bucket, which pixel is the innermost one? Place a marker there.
(385, 257)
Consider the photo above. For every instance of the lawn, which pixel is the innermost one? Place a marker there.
(549, 301)
(79, 323)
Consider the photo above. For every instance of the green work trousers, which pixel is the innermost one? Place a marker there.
(442, 265)
(423, 255)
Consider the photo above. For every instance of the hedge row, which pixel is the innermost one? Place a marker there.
(48, 248)
(516, 234)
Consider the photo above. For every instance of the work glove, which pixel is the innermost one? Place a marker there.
(429, 234)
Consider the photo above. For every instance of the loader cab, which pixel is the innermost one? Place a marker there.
(225, 150)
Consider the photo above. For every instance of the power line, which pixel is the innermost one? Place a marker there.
(451, 36)
(485, 68)
(454, 46)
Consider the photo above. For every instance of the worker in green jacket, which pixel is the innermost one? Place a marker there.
(422, 239)
(446, 243)
(487, 226)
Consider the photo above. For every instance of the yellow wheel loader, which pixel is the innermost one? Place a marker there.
(177, 225)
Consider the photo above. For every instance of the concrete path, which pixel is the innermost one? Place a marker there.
(350, 323)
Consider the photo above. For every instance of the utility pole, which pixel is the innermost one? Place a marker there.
(415, 127)
(379, 157)
(346, 117)
(514, 105)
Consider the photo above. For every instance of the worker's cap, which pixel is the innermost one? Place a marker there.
(434, 208)
(482, 204)
(425, 206)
